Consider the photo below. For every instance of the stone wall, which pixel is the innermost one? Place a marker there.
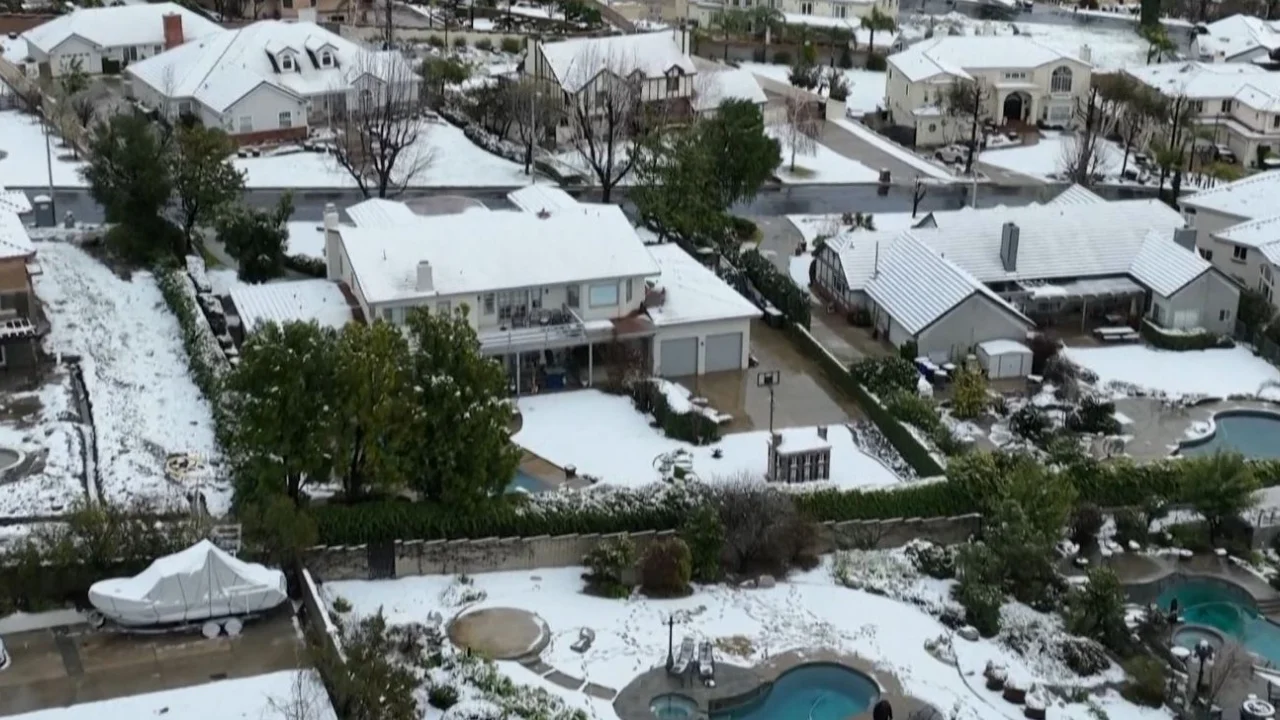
(447, 557)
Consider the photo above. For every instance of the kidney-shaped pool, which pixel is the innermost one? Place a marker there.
(815, 691)
(1252, 433)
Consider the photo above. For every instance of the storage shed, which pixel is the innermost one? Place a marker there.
(1004, 359)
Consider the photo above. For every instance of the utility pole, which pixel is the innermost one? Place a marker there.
(769, 379)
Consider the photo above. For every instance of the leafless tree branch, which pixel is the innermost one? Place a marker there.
(605, 114)
(380, 136)
(800, 127)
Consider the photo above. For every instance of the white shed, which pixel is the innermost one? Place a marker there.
(1004, 359)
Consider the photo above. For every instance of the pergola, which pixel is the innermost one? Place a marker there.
(1084, 290)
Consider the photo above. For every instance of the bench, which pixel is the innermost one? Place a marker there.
(1121, 337)
(1119, 333)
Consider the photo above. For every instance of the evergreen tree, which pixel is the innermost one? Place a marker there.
(204, 180)
(257, 239)
(128, 177)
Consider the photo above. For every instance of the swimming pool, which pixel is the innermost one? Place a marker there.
(1225, 608)
(816, 691)
(524, 482)
(1252, 433)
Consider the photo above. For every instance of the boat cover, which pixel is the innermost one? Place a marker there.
(198, 583)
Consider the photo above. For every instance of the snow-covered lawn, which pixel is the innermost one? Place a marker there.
(1215, 373)
(604, 436)
(145, 405)
(866, 87)
(451, 161)
(51, 435)
(809, 610)
(824, 165)
(251, 698)
(23, 162)
(1048, 158)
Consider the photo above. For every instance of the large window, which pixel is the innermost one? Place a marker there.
(489, 303)
(286, 119)
(1060, 80)
(603, 295)
(571, 295)
(513, 304)
(246, 123)
(1239, 252)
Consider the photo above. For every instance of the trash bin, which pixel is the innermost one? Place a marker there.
(43, 210)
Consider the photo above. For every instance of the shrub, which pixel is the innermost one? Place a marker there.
(764, 532)
(1086, 521)
(743, 229)
(1031, 423)
(782, 57)
(876, 62)
(981, 603)
(1094, 416)
(484, 44)
(666, 568)
(692, 426)
(908, 350)
(703, 533)
(885, 375)
(608, 564)
(435, 41)
(307, 265)
(838, 89)
(459, 41)
(969, 393)
(1182, 341)
(936, 561)
(913, 409)
(442, 697)
(1096, 611)
(803, 76)
(776, 287)
(510, 45)
(846, 58)
(1042, 347)
(1146, 684)
(1131, 525)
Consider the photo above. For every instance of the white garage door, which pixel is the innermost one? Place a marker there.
(724, 352)
(678, 358)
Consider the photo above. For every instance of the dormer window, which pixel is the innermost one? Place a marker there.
(326, 59)
(287, 63)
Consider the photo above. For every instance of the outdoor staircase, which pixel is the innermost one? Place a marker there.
(1270, 607)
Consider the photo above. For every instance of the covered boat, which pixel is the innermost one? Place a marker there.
(199, 583)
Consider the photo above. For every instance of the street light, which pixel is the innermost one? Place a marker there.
(671, 639)
(769, 379)
(1203, 653)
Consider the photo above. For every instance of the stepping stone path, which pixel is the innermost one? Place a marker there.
(565, 680)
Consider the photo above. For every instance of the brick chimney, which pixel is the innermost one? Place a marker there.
(173, 31)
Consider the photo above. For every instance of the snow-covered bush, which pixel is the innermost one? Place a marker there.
(936, 561)
(461, 592)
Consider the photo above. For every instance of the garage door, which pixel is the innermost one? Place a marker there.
(724, 352)
(677, 358)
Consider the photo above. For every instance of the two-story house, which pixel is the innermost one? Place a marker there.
(547, 289)
(1237, 103)
(1023, 81)
(22, 321)
(1235, 39)
(108, 39)
(1237, 229)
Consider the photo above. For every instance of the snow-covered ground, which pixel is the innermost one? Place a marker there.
(1215, 373)
(145, 405)
(1109, 48)
(812, 227)
(306, 239)
(23, 161)
(1048, 158)
(623, 449)
(866, 87)
(924, 167)
(260, 697)
(809, 610)
(823, 165)
(51, 435)
(451, 161)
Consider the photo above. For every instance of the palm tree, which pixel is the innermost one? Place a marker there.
(872, 23)
(767, 19)
(1159, 41)
(1219, 487)
(730, 22)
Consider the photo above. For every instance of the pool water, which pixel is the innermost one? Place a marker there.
(673, 707)
(1252, 434)
(816, 691)
(526, 483)
(1228, 610)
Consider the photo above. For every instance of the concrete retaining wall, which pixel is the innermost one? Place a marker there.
(447, 557)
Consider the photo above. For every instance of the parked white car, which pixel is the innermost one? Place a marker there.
(4, 656)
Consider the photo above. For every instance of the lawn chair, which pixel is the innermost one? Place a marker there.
(586, 636)
(706, 661)
(685, 657)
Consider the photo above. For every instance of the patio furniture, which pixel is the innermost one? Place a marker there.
(1116, 333)
(706, 661)
(586, 636)
(685, 657)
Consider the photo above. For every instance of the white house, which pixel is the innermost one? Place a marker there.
(1024, 81)
(547, 287)
(959, 279)
(270, 80)
(1238, 230)
(823, 13)
(1239, 103)
(1235, 39)
(107, 39)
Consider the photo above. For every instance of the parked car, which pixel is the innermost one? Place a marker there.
(4, 656)
(952, 154)
(1222, 153)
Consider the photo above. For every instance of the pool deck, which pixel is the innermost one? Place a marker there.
(1144, 576)
(733, 681)
(1156, 432)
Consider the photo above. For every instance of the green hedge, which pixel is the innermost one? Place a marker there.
(911, 449)
(307, 265)
(691, 427)
(197, 338)
(776, 287)
(1124, 483)
(1181, 341)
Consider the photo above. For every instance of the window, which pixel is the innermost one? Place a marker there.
(184, 107)
(1015, 75)
(286, 119)
(1206, 254)
(603, 295)
(673, 82)
(287, 64)
(933, 127)
(1268, 292)
(157, 49)
(326, 59)
(630, 291)
(488, 303)
(1059, 114)
(1060, 80)
(1196, 106)
(131, 53)
(386, 314)
(1267, 277)
(571, 295)
(1239, 253)
(1275, 122)
(806, 8)
(443, 307)
(1226, 106)
(602, 98)
(1224, 315)
(840, 11)
(246, 123)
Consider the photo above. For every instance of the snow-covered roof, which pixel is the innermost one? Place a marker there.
(15, 201)
(956, 54)
(577, 61)
(917, 286)
(1003, 347)
(379, 212)
(478, 252)
(858, 251)
(1166, 267)
(693, 292)
(118, 26)
(316, 300)
(536, 198)
(731, 84)
(1254, 233)
(1076, 195)
(220, 69)
(1233, 36)
(1249, 84)
(14, 240)
(1249, 198)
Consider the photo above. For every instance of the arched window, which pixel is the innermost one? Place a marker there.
(1060, 81)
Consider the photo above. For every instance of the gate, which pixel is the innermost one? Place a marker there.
(382, 560)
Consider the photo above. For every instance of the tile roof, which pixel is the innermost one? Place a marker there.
(116, 26)
(955, 55)
(535, 198)
(477, 252)
(317, 300)
(1166, 267)
(916, 285)
(379, 212)
(1253, 233)
(14, 201)
(14, 240)
(577, 61)
(1236, 35)
(693, 292)
(1249, 198)
(1076, 195)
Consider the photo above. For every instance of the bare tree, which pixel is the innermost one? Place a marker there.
(969, 102)
(605, 114)
(800, 127)
(1096, 114)
(380, 137)
(1232, 670)
(306, 699)
(534, 112)
(918, 191)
